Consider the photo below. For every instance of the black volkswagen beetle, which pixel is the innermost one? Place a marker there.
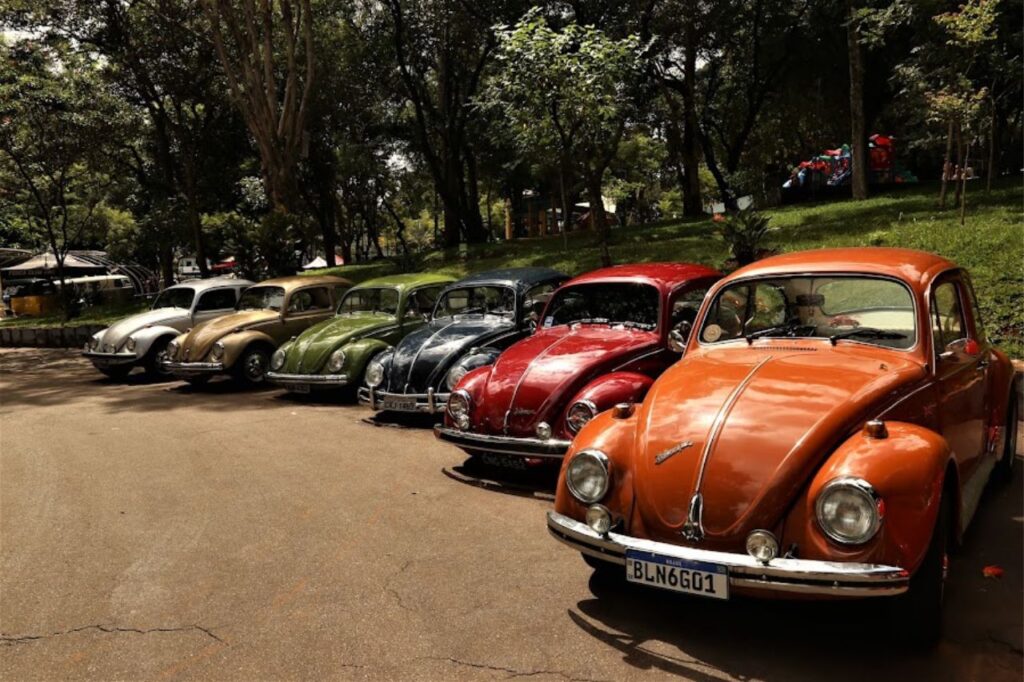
(473, 321)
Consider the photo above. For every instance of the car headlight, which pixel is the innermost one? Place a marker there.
(374, 374)
(455, 375)
(129, 345)
(588, 476)
(336, 361)
(218, 351)
(92, 343)
(579, 414)
(458, 408)
(172, 349)
(277, 360)
(849, 510)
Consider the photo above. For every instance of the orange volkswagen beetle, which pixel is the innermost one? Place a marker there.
(828, 433)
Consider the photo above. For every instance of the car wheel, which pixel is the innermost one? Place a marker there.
(1004, 468)
(252, 367)
(155, 358)
(917, 614)
(116, 372)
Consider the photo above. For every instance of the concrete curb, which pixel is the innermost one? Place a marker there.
(47, 337)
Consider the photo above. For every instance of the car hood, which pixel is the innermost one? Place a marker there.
(117, 333)
(308, 353)
(532, 380)
(202, 337)
(423, 357)
(778, 411)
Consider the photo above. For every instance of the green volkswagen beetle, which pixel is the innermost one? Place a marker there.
(371, 318)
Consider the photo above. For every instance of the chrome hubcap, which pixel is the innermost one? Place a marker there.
(255, 366)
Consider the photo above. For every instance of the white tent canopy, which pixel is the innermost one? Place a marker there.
(47, 261)
(317, 262)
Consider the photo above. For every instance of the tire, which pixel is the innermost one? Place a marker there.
(198, 381)
(156, 355)
(916, 615)
(251, 368)
(117, 372)
(1004, 467)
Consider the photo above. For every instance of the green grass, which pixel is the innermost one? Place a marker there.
(990, 246)
(98, 315)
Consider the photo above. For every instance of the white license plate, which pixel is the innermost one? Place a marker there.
(679, 575)
(300, 388)
(403, 404)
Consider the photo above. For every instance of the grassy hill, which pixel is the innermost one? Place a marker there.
(990, 245)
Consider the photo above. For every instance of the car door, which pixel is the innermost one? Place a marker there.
(214, 303)
(961, 365)
(305, 307)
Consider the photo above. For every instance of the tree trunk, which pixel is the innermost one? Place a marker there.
(858, 132)
(599, 221)
(958, 169)
(566, 213)
(194, 219)
(947, 166)
(724, 188)
(691, 197)
(963, 186)
(992, 129)
(165, 257)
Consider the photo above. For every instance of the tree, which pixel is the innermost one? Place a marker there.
(266, 51)
(53, 112)
(574, 87)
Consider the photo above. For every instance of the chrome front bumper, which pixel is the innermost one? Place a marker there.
(429, 402)
(314, 380)
(803, 576)
(552, 448)
(191, 369)
(110, 359)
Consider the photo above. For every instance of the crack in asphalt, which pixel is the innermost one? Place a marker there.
(512, 672)
(393, 591)
(11, 640)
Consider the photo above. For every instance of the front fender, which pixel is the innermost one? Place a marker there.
(617, 387)
(907, 469)
(147, 336)
(358, 354)
(236, 343)
(614, 437)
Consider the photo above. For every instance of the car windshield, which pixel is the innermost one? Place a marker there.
(481, 300)
(374, 301)
(611, 303)
(262, 298)
(174, 298)
(857, 308)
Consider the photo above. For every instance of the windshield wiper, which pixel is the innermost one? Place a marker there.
(870, 332)
(788, 329)
(630, 324)
(592, 320)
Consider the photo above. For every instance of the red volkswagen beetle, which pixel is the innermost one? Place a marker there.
(602, 340)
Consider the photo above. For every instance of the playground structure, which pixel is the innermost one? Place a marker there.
(833, 167)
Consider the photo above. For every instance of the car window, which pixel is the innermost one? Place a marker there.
(477, 300)
(421, 302)
(856, 308)
(947, 316)
(605, 303)
(175, 298)
(306, 300)
(262, 298)
(686, 305)
(383, 300)
(218, 299)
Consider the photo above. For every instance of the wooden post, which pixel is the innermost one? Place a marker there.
(531, 220)
(543, 222)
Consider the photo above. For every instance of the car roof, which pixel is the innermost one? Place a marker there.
(405, 281)
(519, 278)
(199, 285)
(665, 276)
(296, 281)
(914, 267)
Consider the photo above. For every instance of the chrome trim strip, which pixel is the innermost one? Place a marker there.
(375, 399)
(419, 351)
(522, 378)
(504, 445)
(317, 379)
(807, 576)
(194, 367)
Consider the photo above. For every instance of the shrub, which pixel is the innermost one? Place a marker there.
(746, 233)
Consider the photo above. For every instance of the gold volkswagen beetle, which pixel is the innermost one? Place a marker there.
(267, 315)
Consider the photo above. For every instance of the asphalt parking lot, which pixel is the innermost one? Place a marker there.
(155, 531)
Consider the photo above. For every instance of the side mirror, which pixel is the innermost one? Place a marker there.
(677, 337)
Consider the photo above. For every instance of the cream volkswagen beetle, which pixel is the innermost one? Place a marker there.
(141, 340)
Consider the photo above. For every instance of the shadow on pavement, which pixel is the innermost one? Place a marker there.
(788, 640)
(532, 481)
